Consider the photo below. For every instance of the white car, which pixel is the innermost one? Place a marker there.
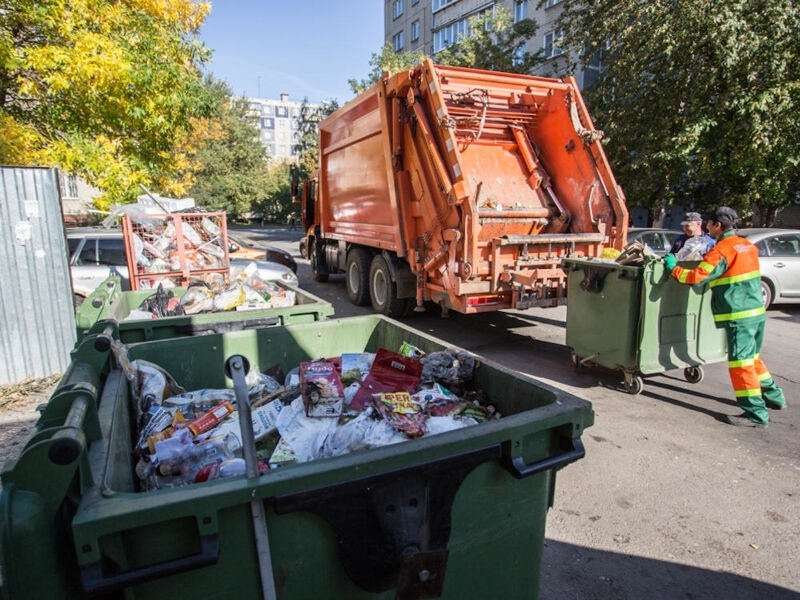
(96, 253)
(779, 259)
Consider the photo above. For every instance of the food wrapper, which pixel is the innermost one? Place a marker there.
(390, 372)
(401, 412)
(355, 367)
(411, 351)
(321, 388)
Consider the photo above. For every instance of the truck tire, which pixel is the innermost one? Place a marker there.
(383, 291)
(357, 276)
(319, 274)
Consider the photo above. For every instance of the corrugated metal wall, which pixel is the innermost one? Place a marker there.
(37, 322)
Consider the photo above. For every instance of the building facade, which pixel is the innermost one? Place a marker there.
(279, 125)
(432, 25)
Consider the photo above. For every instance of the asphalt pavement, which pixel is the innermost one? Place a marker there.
(669, 502)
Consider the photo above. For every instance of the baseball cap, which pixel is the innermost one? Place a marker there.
(725, 215)
(691, 217)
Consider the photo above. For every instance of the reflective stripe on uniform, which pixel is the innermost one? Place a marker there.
(735, 278)
(707, 266)
(682, 277)
(745, 362)
(742, 314)
(764, 376)
(747, 393)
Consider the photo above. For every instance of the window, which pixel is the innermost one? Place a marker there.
(72, 245)
(267, 123)
(549, 3)
(283, 123)
(281, 111)
(784, 245)
(655, 241)
(520, 10)
(414, 2)
(397, 8)
(88, 254)
(267, 135)
(415, 31)
(111, 252)
(270, 149)
(447, 36)
(552, 44)
(255, 107)
(268, 110)
(595, 66)
(519, 55)
(398, 41)
(283, 150)
(68, 185)
(439, 4)
(295, 112)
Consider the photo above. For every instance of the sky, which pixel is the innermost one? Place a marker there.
(304, 48)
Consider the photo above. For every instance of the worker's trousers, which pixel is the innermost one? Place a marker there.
(754, 387)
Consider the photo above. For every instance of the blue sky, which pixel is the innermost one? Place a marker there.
(302, 48)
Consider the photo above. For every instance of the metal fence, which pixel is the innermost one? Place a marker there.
(37, 322)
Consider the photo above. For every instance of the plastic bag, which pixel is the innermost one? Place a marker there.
(305, 435)
(448, 367)
(230, 299)
(390, 372)
(150, 384)
(444, 424)
(694, 248)
(401, 412)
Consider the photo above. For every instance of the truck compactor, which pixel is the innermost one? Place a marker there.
(462, 187)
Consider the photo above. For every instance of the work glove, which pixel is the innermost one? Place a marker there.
(670, 261)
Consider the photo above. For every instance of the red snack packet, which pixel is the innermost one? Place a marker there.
(390, 372)
(401, 412)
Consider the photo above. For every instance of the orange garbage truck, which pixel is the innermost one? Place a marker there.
(462, 187)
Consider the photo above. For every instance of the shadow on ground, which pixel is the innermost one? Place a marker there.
(568, 571)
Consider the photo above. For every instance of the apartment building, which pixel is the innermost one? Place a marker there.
(432, 25)
(279, 125)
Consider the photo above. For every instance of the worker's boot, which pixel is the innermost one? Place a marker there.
(743, 420)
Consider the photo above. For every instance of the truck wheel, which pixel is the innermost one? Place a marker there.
(383, 291)
(357, 276)
(319, 275)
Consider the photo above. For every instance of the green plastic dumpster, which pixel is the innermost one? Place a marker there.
(108, 301)
(456, 515)
(639, 320)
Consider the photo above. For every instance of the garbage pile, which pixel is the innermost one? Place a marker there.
(324, 408)
(160, 246)
(211, 293)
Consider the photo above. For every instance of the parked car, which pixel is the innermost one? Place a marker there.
(244, 250)
(96, 253)
(779, 258)
(659, 240)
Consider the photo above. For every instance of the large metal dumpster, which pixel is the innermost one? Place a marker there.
(639, 320)
(108, 301)
(456, 515)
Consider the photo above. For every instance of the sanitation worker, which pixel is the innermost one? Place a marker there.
(731, 269)
(692, 226)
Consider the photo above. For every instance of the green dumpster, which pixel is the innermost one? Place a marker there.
(639, 320)
(455, 515)
(108, 301)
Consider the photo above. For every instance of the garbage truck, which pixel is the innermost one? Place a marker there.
(462, 187)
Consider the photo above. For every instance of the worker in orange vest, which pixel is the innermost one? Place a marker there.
(731, 269)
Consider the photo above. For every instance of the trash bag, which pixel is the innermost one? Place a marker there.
(694, 248)
(162, 303)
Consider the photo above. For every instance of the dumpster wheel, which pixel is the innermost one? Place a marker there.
(693, 374)
(634, 384)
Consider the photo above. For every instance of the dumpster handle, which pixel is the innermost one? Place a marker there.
(519, 469)
(227, 326)
(95, 582)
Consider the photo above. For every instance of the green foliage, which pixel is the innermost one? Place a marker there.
(699, 98)
(387, 60)
(308, 147)
(234, 171)
(276, 203)
(496, 43)
(101, 89)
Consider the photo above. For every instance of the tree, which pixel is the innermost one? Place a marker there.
(699, 98)
(308, 147)
(233, 164)
(387, 60)
(101, 89)
(494, 43)
(276, 203)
